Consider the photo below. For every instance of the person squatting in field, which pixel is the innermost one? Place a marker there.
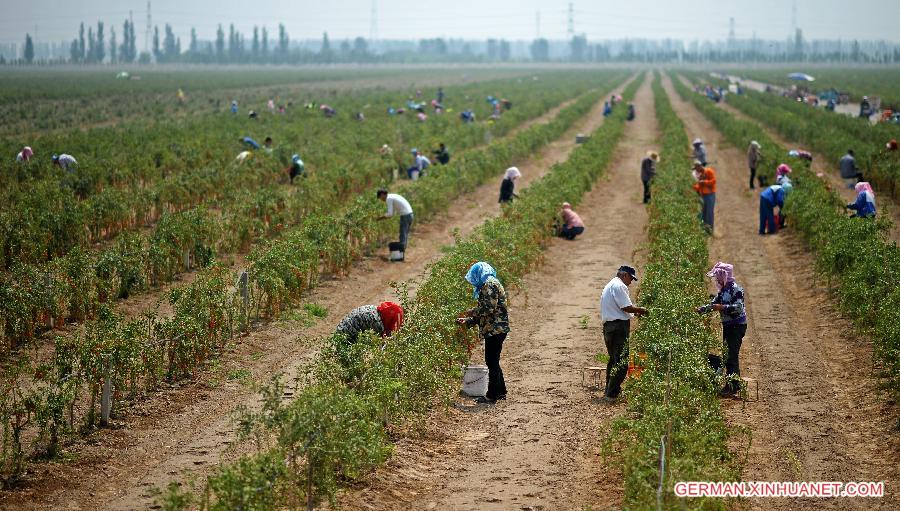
(24, 155)
(572, 225)
(508, 185)
(616, 310)
(865, 201)
(65, 161)
(297, 167)
(397, 205)
(729, 303)
(420, 163)
(383, 320)
(492, 318)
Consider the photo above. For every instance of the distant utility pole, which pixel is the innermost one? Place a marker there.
(373, 28)
(793, 18)
(571, 30)
(148, 30)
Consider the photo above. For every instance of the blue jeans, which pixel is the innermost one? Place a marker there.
(767, 216)
(709, 207)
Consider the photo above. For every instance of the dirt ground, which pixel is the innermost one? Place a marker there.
(540, 448)
(820, 416)
(829, 170)
(186, 430)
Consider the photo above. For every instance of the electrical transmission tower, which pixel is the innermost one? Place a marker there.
(571, 30)
(373, 27)
(148, 29)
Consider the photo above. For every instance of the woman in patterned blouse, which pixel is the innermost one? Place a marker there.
(729, 303)
(492, 318)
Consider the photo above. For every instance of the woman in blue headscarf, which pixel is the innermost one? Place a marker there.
(492, 318)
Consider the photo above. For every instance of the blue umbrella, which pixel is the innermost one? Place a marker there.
(803, 77)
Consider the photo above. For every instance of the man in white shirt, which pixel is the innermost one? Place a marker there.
(396, 204)
(615, 312)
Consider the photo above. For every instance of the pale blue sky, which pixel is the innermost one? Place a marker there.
(510, 19)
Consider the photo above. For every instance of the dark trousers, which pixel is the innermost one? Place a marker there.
(493, 345)
(569, 233)
(709, 209)
(767, 217)
(733, 335)
(615, 334)
(752, 176)
(405, 223)
(646, 191)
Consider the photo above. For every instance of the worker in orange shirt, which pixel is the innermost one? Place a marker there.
(706, 187)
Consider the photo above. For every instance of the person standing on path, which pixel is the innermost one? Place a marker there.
(706, 187)
(699, 151)
(729, 303)
(508, 186)
(753, 157)
(492, 317)
(396, 204)
(572, 224)
(615, 313)
(648, 172)
(849, 172)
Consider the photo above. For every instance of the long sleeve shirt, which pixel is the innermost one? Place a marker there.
(648, 169)
(507, 190)
(360, 320)
(848, 167)
(753, 157)
(491, 314)
(732, 297)
(774, 194)
(862, 206)
(700, 154)
(706, 182)
(571, 218)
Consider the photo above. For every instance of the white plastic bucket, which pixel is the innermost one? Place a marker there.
(475, 381)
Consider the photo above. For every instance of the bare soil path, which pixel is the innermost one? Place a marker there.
(819, 417)
(820, 164)
(540, 448)
(187, 430)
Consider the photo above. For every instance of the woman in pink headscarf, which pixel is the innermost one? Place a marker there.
(781, 174)
(572, 224)
(729, 303)
(865, 201)
(24, 155)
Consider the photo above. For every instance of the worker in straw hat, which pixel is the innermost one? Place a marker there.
(648, 171)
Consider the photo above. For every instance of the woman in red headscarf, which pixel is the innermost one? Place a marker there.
(383, 319)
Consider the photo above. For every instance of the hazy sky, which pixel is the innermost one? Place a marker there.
(55, 20)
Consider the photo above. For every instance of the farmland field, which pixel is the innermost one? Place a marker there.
(180, 274)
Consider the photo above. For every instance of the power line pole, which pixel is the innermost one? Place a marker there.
(793, 18)
(373, 28)
(571, 30)
(148, 30)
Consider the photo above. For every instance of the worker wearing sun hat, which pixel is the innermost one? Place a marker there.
(729, 303)
(699, 151)
(615, 313)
